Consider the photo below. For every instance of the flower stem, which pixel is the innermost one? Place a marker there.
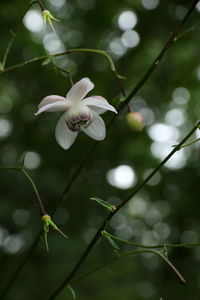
(39, 201)
(105, 233)
(41, 5)
(14, 33)
(137, 87)
(188, 144)
(172, 39)
(78, 50)
(120, 255)
(23, 171)
(111, 214)
(64, 71)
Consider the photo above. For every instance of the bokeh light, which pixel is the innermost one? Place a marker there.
(150, 4)
(160, 132)
(5, 128)
(175, 117)
(33, 20)
(127, 20)
(181, 95)
(32, 160)
(130, 38)
(122, 177)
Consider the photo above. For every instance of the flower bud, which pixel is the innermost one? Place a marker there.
(135, 121)
(48, 18)
(47, 222)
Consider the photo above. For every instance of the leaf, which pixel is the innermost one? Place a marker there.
(12, 33)
(121, 77)
(165, 251)
(105, 204)
(1, 66)
(46, 61)
(22, 158)
(72, 291)
(111, 241)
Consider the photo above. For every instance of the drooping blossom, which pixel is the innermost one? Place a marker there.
(80, 113)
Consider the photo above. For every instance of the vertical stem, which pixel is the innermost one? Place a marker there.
(40, 4)
(109, 217)
(42, 210)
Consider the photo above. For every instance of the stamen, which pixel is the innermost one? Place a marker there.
(78, 125)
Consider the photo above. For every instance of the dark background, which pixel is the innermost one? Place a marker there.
(164, 211)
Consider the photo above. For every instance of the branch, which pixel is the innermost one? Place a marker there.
(120, 255)
(140, 83)
(172, 39)
(110, 216)
(78, 50)
(14, 34)
(64, 71)
(106, 234)
(23, 171)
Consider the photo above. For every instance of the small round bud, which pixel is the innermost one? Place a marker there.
(135, 121)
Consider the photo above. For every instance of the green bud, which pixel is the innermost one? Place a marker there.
(47, 222)
(135, 121)
(48, 18)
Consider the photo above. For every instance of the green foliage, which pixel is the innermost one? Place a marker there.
(165, 211)
(103, 203)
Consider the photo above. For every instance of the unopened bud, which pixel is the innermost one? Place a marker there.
(135, 121)
(47, 222)
(48, 18)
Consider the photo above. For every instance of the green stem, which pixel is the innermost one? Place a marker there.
(64, 71)
(105, 233)
(40, 4)
(23, 171)
(7, 50)
(20, 267)
(78, 50)
(128, 254)
(111, 214)
(14, 34)
(172, 39)
(40, 204)
(79, 168)
(188, 144)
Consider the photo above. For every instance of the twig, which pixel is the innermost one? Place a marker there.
(120, 255)
(24, 172)
(105, 233)
(64, 71)
(188, 144)
(80, 166)
(14, 33)
(109, 217)
(78, 50)
(172, 39)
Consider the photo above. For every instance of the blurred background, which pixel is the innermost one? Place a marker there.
(165, 211)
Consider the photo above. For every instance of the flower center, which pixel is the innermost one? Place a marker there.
(78, 119)
(77, 126)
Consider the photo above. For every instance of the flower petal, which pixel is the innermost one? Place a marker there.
(59, 106)
(52, 99)
(97, 129)
(98, 104)
(79, 90)
(53, 103)
(64, 136)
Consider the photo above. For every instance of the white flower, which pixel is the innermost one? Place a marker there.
(80, 114)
